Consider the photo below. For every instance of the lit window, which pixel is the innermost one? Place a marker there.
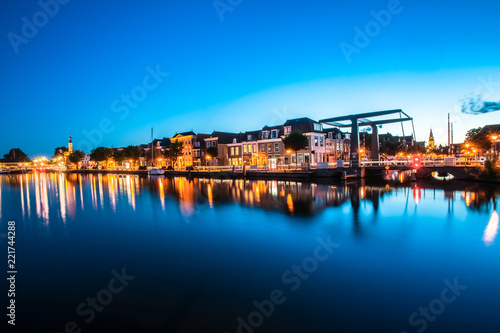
(232, 150)
(269, 148)
(288, 129)
(237, 150)
(244, 148)
(276, 147)
(262, 148)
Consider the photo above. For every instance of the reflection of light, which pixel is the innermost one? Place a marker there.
(186, 197)
(491, 230)
(22, 196)
(81, 190)
(112, 194)
(162, 193)
(210, 196)
(37, 196)
(28, 197)
(130, 192)
(289, 203)
(101, 192)
(62, 197)
(401, 177)
(362, 192)
(416, 194)
(467, 199)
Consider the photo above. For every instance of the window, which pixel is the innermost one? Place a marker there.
(330, 135)
(301, 158)
(318, 127)
(197, 144)
(269, 148)
(265, 134)
(306, 158)
(321, 141)
(262, 148)
(249, 137)
(274, 134)
(189, 150)
(249, 148)
(276, 147)
(277, 156)
(237, 150)
(288, 129)
(232, 150)
(245, 149)
(254, 148)
(316, 141)
(208, 144)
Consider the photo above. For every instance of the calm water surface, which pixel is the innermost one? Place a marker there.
(208, 255)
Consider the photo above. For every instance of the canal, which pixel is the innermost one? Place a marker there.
(125, 253)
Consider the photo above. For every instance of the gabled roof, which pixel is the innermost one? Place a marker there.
(185, 134)
(225, 137)
(303, 125)
(255, 135)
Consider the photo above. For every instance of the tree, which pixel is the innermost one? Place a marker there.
(118, 155)
(76, 156)
(479, 138)
(213, 152)
(295, 141)
(100, 154)
(132, 152)
(174, 151)
(16, 155)
(59, 151)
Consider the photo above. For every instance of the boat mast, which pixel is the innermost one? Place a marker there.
(152, 154)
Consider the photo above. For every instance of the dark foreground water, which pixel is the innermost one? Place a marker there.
(109, 253)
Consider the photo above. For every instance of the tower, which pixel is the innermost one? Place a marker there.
(70, 143)
(431, 141)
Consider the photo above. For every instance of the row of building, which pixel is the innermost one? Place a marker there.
(259, 147)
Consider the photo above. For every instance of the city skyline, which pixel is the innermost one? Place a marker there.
(235, 68)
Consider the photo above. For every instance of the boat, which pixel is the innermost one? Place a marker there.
(154, 171)
(4, 171)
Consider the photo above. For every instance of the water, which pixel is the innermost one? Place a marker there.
(208, 255)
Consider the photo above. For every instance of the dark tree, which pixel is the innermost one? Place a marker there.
(174, 151)
(59, 151)
(213, 152)
(478, 137)
(132, 152)
(100, 154)
(16, 155)
(295, 141)
(76, 156)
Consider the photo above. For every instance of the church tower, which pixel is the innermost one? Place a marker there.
(70, 143)
(431, 141)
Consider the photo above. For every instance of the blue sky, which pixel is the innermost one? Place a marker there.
(261, 63)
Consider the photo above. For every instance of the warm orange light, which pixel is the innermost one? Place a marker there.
(467, 145)
(494, 137)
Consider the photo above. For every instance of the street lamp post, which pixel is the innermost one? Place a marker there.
(494, 138)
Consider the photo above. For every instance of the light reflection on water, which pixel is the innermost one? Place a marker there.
(234, 238)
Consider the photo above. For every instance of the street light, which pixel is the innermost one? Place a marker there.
(494, 138)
